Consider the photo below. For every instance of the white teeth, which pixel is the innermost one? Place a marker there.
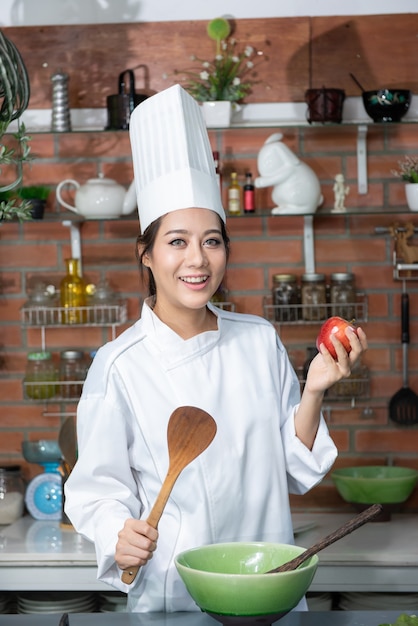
(194, 279)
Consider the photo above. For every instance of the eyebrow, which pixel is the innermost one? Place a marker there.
(184, 231)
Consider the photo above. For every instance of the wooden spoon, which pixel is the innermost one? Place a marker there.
(67, 440)
(190, 431)
(370, 513)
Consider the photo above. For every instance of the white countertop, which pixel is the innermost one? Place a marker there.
(379, 556)
(43, 542)
(42, 555)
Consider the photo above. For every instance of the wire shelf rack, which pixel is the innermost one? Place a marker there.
(57, 316)
(313, 314)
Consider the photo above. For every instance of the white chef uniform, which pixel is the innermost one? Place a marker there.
(236, 490)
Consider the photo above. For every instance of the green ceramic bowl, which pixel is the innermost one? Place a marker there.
(375, 484)
(228, 578)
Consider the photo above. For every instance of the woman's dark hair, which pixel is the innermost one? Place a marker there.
(145, 242)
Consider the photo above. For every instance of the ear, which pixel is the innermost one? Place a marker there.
(144, 257)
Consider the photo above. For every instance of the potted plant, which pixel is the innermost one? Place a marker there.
(408, 171)
(225, 79)
(36, 195)
(14, 99)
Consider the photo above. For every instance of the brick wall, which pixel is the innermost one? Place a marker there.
(261, 246)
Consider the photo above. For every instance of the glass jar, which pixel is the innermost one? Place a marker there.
(103, 304)
(39, 309)
(40, 377)
(73, 295)
(12, 494)
(343, 295)
(314, 299)
(355, 386)
(286, 297)
(72, 373)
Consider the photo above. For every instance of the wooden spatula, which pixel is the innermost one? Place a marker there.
(190, 431)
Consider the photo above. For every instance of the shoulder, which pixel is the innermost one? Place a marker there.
(108, 355)
(131, 336)
(249, 326)
(244, 318)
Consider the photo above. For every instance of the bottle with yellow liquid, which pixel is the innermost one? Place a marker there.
(73, 295)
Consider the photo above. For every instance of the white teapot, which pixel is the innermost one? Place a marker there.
(100, 198)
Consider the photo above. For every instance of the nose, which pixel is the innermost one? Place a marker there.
(196, 255)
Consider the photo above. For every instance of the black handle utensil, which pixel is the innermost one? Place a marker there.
(357, 82)
(403, 406)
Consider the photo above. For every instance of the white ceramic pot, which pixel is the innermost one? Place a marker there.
(218, 113)
(99, 198)
(411, 191)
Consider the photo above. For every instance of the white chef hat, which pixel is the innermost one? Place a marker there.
(172, 157)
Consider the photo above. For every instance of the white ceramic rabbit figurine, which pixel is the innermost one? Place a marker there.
(296, 188)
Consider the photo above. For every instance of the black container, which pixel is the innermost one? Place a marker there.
(37, 208)
(386, 105)
(325, 105)
(121, 105)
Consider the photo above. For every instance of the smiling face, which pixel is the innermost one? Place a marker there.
(188, 260)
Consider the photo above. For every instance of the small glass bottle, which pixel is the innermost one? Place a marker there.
(286, 297)
(314, 299)
(41, 376)
(343, 295)
(72, 373)
(12, 494)
(234, 195)
(73, 295)
(249, 194)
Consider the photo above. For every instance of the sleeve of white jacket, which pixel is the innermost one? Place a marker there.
(305, 468)
(99, 494)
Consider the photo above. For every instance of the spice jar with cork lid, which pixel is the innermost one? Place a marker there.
(72, 372)
(314, 298)
(286, 298)
(343, 295)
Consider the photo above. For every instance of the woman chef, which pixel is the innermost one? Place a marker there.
(185, 351)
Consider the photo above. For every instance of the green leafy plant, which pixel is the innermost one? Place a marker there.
(14, 99)
(33, 192)
(408, 169)
(230, 75)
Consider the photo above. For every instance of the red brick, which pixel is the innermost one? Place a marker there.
(395, 440)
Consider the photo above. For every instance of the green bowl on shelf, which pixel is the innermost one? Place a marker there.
(228, 580)
(375, 484)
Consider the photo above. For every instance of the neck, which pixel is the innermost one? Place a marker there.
(187, 323)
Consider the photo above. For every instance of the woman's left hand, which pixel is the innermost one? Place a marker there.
(325, 371)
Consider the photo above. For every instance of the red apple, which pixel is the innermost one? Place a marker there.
(334, 326)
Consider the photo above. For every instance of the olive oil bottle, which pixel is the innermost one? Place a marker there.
(73, 295)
